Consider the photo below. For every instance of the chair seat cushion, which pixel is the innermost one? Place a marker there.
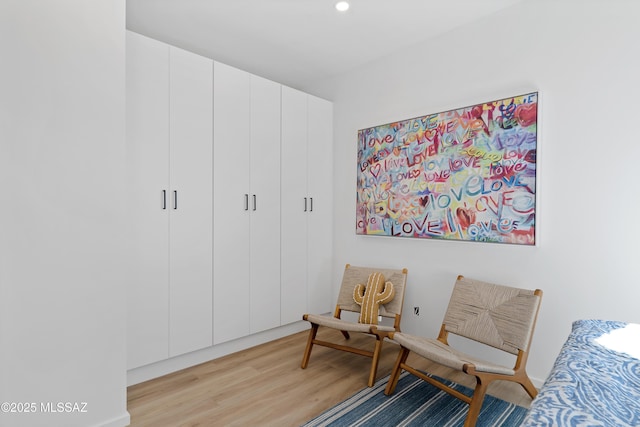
(443, 354)
(344, 325)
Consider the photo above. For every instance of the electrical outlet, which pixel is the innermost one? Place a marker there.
(416, 311)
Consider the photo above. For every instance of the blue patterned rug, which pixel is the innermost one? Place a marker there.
(416, 403)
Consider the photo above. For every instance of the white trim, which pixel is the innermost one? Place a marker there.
(121, 421)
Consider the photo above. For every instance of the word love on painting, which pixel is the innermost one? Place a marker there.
(465, 174)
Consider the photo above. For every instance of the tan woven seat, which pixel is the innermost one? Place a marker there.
(393, 309)
(344, 325)
(498, 316)
(443, 354)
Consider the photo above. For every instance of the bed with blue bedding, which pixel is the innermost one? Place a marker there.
(595, 380)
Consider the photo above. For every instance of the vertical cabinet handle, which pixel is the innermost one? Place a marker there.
(311, 199)
(175, 199)
(254, 202)
(246, 202)
(305, 204)
(164, 199)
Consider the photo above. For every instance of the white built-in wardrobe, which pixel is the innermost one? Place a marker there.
(230, 201)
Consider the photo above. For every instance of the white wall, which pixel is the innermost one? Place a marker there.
(584, 59)
(62, 317)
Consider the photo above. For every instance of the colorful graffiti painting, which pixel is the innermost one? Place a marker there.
(465, 174)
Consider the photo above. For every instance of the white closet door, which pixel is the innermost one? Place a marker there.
(191, 202)
(320, 183)
(148, 177)
(265, 205)
(232, 135)
(295, 205)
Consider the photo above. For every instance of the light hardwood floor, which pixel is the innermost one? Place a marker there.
(265, 386)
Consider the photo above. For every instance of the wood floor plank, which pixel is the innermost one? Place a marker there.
(265, 385)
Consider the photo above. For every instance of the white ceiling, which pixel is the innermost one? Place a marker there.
(300, 42)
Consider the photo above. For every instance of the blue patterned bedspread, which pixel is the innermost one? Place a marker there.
(595, 381)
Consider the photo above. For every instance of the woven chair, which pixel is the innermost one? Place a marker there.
(498, 316)
(393, 309)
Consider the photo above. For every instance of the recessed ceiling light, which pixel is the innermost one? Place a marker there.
(342, 6)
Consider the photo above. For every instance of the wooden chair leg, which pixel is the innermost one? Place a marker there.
(376, 358)
(528, 386)
(346, 335)
(307, 352)
(397, 370)
(476, 403)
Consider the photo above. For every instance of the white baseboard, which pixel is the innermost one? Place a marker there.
(121, 421)
(537, 382)
(164, 367)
